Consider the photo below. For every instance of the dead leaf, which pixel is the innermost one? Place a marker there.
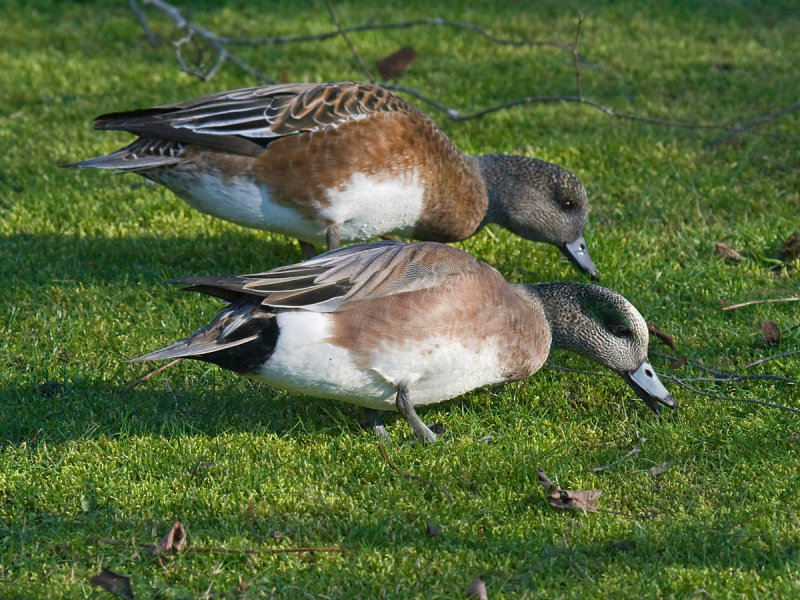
(432, 530)
(659, 469)
(791, 249)
(728, 253)
(49, 389)
(242, 586)
(663, 336)
(771, 333)
(477, 589)
(174, 541)
(393, 65)
(583, 500)
(677, 363)
(117, 584)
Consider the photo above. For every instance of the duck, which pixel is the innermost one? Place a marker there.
(392, 326)
(343, 162)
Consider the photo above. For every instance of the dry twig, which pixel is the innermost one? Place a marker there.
(397, 469)
(362, 65)
(221, 43)
(750, 302)
(147, 376)
(769, 358)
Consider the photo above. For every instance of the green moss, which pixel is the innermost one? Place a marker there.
(83, 256)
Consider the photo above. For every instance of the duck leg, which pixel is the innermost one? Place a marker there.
(406, 409)
(332, 235)
(309, 250)
(376, 422)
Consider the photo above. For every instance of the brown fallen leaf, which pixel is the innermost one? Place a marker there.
(117, 584)
(174, 541)
(49, 389)
(677, 363)
(393, 65)
(477, 589)
(659, 469)
(791, 249)
(432, 530)
(728, 253)
(662, 335)
(583, 500)
(771, 333)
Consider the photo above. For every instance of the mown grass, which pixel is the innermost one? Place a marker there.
(83, 256)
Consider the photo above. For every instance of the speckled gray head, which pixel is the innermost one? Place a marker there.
(600, 324)
(539, 201)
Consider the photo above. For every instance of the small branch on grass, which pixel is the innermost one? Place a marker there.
(147, 376)
(769, 358)
(221, 550)
(137, 10)
(755, 123)
(722, 378)
(681, 383)
(751, 302)
(633, 451)
(362, 65)
(221, 43)
(223, 54)
(397, 469)
(575, 56)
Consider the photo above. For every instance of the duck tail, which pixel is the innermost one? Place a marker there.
(241, 338)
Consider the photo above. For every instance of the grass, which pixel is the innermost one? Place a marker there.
(83, 256)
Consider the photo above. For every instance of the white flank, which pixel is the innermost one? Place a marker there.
(239, 200)
(364, 207)
(433, 370)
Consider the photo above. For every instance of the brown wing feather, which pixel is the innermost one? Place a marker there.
(359, 272)
(258, 113)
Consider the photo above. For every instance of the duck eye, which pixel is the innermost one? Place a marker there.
(620, 330)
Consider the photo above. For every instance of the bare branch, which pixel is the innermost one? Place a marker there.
(769, 358)
(434, 22)
(137, 10)
(731, 398)
(353, 50)
(575, 56)
(750, 302)
(755, 123)
(221, 43)
(397, 469)
(147, 376)
(223, 53)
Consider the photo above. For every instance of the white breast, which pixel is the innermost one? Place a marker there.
(432, 370)
(368, 206)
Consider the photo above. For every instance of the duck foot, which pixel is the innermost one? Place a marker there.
(405, 408)
(376, 423)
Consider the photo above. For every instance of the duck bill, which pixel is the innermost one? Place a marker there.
(578, 254)
(648, 387)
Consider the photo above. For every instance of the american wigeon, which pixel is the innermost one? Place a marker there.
(389, 326)
(345, 162)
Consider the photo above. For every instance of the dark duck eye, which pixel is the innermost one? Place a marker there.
(620, 330)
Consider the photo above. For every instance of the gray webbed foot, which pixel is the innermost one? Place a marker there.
(376, 423)
(406, 409)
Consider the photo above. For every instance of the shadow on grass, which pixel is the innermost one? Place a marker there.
(40, 260)
(54, 411)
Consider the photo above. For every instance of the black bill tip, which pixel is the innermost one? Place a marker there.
(578, 254)
(648, 387)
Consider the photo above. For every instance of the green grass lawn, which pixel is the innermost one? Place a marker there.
(83, 256)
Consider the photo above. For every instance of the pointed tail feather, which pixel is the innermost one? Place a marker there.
(241, 338)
